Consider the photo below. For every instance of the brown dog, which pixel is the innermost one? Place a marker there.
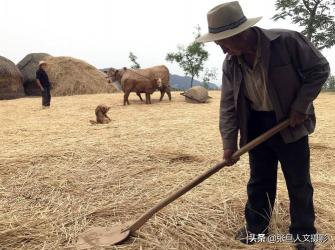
(101, 114)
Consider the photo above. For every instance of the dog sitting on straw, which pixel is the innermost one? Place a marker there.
(101, 115)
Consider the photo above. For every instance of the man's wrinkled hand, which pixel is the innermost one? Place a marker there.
(228, 157)
(297, 118)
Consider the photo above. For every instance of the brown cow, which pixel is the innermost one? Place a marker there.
(139, 86)
(157, 72)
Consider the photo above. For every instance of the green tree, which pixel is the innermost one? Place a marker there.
(317, 17)
(210, 74)
(133, 59)
(191, 58)
(330, 83)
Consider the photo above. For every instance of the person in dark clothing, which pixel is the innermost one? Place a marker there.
(44, 84)
(268, 76)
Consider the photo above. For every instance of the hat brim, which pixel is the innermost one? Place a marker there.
(211, 37)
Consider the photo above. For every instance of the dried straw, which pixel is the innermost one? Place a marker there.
(70, 76)
(60, 175)
(10, 80)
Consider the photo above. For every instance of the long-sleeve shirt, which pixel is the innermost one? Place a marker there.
(294, 72)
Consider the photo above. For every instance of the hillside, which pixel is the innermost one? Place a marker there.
(184, 82)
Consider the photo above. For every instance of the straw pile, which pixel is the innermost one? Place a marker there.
(59, 181)
(10, 80)
(28, 67)
(197, 94)
(70, 76)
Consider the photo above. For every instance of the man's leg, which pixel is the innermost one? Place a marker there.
(262, 184)
(48, 97)
(261, 188)
(44, 97)
(295, 161)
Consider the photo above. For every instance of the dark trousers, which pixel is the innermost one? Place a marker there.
(46, 96)
(261, 189)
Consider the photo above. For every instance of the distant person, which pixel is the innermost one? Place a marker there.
(44, 84)
(269, 75)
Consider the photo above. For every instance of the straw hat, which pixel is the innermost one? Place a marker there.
(226, 20)
(42, 62)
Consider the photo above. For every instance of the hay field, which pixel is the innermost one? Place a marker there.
(60, 175)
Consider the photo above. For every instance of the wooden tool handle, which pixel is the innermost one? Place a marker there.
(172, 197)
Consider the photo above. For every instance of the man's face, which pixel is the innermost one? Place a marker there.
(44, 66)
(232, 45)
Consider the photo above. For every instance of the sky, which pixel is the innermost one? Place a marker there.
(103, 32)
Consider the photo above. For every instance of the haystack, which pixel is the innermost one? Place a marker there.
(10, 80)
(28, 66)
(197, 94)
(70, 76)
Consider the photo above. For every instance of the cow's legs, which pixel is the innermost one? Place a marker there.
(139, 95)
(125, 98)
(168, 92)
(147, 98)
(162, 94)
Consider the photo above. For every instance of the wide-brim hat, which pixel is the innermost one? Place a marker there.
(226, 20)
(42, 62)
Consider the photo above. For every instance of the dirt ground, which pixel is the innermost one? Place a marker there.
(60, 175)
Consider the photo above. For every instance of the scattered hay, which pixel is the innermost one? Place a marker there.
(10, 80)
(197, 94)
(320, 146)
(70, 76)
(28, 67)
(175, 156)
(183, 158)
(57, 182)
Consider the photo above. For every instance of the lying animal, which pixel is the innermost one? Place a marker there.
(101, 115)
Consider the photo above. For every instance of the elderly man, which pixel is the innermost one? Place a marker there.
(269, 75)
(44, 84)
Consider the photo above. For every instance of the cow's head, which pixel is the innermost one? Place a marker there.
(116, 74)
(159, 82)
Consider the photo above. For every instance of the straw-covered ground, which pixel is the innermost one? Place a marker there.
(60, 175)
